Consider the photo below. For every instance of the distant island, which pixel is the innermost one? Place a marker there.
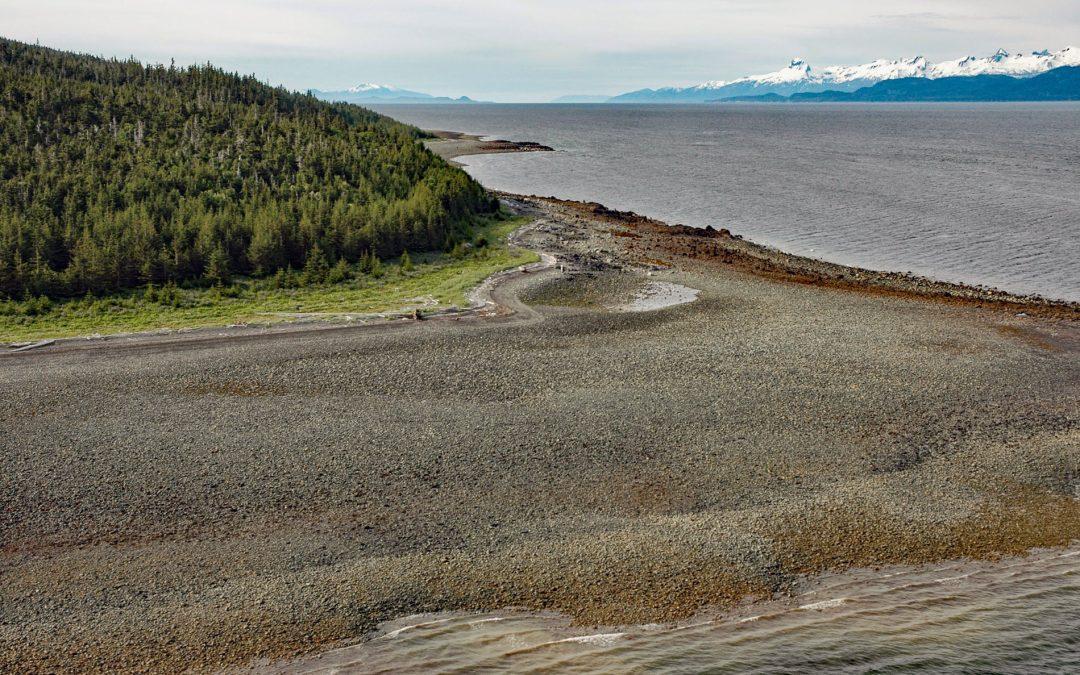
(368, 94)
(1060, 84)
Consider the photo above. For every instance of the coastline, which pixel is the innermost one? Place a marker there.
(588, 461)
(731, 249)
(649, 237)
(453, 144)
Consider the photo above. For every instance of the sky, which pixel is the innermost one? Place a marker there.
(534, 50)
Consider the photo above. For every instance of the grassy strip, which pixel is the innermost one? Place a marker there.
(438, 280)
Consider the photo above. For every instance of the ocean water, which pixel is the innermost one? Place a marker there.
(986, 194)
(1012, 616)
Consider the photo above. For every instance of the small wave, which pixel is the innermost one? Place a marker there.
(947, 580)
(597, 640)
(824, 604)
(601, 639)
(399, 631)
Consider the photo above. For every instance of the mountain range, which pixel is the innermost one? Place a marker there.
(1059, 84)
(382, 93)
(799, 77)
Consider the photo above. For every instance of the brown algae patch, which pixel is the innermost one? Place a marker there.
(1030, 336)
(844, 536)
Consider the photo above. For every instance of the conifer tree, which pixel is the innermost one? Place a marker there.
(217, 267)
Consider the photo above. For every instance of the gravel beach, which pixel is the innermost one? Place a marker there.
(213, 501)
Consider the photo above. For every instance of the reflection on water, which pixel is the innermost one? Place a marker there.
(1018, 615)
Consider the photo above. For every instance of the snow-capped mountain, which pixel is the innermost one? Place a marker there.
(383, 93)
(368, 86)
(1004, 63)
(1059, 84)
(799, 76)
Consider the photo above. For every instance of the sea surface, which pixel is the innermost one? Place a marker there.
(986, 194)
(1013, 616)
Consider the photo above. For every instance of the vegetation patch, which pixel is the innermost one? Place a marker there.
(115, 175)
(428, 281)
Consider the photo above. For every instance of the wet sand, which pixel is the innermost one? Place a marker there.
(231, 499)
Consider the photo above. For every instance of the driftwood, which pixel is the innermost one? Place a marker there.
(33, 345)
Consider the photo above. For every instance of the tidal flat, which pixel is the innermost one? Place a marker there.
(209, 500)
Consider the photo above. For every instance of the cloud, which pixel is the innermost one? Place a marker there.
(530, 48)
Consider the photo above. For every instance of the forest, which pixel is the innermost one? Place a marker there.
(115, 174)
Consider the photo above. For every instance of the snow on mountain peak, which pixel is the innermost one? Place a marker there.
(799, 76)
(1001, 63)
(798, 71)
(368, 86)
(875, 71)
(1004, 63)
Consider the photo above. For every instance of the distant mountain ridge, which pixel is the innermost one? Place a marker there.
(383, 93)
(1060, 84)
(800, 77)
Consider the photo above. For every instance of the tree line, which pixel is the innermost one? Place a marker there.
(114, 174)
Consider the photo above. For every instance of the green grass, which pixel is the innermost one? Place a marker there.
(437, 281)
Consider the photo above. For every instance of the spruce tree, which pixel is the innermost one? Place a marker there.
(217, 267)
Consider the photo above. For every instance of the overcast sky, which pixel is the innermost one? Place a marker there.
(534, 50)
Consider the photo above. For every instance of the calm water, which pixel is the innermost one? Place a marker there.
(983, 194)
(1017, 616)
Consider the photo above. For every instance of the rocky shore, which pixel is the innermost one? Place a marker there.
(647, 238)
(222, 501)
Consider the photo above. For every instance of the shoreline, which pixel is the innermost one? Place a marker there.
(647, 238)
(827, 597)
(732, 249)
(719, 247)
(725, 248)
